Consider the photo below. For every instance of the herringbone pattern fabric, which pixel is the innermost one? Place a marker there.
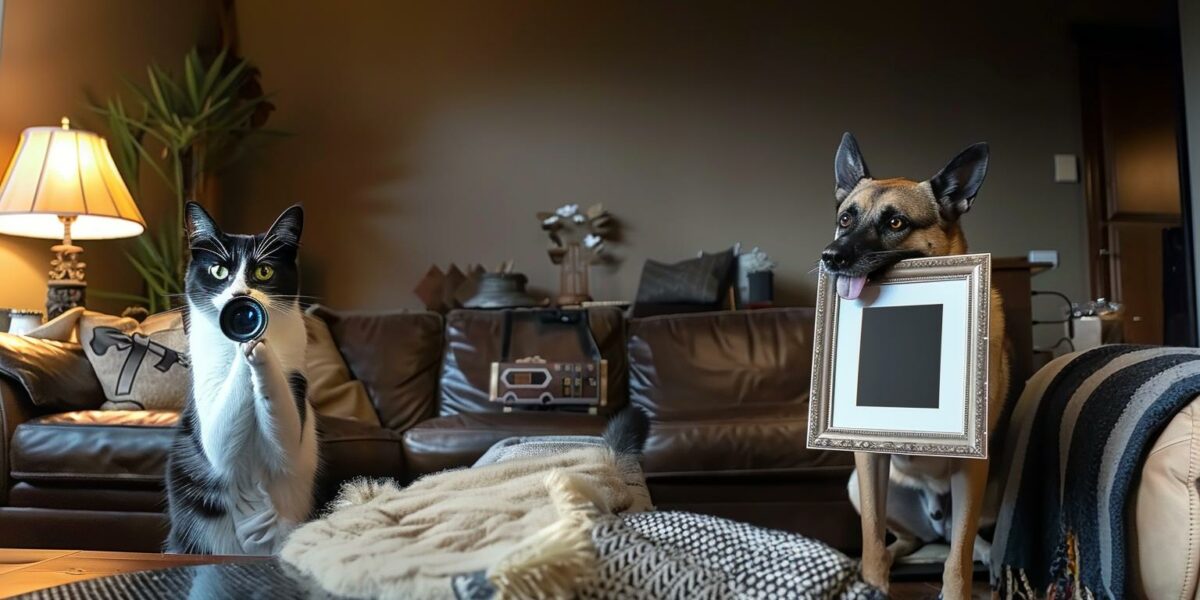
(686, 555)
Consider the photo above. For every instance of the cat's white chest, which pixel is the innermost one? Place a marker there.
(213, 355)
(223, 389)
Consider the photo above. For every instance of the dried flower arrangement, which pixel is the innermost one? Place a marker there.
(756, 261)
(577, 240)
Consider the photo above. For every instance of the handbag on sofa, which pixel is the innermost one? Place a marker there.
(570, 382)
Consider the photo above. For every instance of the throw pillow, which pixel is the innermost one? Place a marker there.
(701, 280)
(141, 366)
(396, 355)
(144, 366)
(54, 375)
(331, 390)
(61, 328)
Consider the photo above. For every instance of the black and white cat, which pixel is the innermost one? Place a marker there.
(240, 475)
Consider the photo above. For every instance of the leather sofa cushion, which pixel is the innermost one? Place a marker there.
(458, 440)
(94, 446)
(53, 375)
(331, 388)
(473, 343)
(745, 445)
(120, 448)
(67, 496)
(125, 418)
(735, 364)
(396, 355)
(351, 448)
(813, 503)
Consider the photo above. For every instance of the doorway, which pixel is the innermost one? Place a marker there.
(1139, 249)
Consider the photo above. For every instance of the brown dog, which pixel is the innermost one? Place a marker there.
(879, 223)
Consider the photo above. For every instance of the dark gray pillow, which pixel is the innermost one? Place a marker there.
(702, 280)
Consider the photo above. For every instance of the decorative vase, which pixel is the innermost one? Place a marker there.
(573, 276)
(761, 288)
(501, 290)
(22, 322)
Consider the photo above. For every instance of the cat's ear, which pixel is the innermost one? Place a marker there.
(200, 224)
(288, 226)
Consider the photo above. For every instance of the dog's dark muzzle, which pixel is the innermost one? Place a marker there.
(852, 259)
(837, 258)
(844, 255)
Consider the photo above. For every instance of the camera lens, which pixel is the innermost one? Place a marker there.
(243, 319)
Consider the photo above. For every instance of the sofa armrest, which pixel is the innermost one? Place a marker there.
(1164, 521)
(15, 408)
(38, 377)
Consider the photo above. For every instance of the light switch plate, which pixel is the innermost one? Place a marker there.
(1044, 256)
(1066, 168)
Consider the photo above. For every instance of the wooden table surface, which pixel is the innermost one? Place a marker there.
(23, 571)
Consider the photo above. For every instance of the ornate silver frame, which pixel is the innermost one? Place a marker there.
(976, 270)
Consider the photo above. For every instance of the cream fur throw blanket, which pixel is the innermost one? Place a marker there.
(526, 522)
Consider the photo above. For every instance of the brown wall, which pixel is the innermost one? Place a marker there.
(51, 52)
(432, 132)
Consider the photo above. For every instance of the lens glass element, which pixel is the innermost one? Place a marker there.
(243, 319)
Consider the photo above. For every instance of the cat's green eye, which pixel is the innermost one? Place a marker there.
(219, 272)
(264, 272)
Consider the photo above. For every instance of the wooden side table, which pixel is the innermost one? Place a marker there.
(23, 571)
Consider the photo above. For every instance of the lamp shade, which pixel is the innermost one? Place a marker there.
(62, 172)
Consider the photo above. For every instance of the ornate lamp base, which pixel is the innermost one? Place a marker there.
(67, 287)
(62, 296)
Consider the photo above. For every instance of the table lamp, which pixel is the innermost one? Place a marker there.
(63, 183)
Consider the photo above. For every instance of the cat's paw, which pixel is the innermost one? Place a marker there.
(257, 352)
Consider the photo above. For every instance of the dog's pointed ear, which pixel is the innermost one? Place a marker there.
(849, 168)
(289, 225)
(955, 186)
(199, 223)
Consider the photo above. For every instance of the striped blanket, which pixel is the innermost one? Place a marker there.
(1074, 448)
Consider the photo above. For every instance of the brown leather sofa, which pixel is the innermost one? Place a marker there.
(727, 393)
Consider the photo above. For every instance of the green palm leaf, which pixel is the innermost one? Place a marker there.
(190, 125)
(214, 71)
(191, 68)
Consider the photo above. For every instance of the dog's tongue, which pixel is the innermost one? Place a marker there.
(850, 287)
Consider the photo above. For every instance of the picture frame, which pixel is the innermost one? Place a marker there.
(875, 387)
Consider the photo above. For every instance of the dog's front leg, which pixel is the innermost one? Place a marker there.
(873, 471)
(967, 484)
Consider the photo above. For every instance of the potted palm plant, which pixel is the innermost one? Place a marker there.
(185, 127)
